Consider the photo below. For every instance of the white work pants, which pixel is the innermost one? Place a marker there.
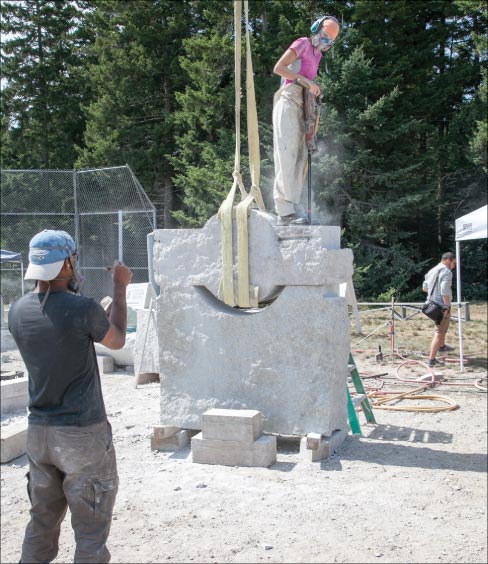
(289, 149)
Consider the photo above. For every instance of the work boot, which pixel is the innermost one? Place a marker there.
(291, 219)
(446, 348)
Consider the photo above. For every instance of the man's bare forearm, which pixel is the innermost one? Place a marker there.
(118, 312)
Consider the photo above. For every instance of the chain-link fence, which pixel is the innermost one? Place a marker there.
(105, 210)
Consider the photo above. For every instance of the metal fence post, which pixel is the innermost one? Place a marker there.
(77, 215)
(121, 234)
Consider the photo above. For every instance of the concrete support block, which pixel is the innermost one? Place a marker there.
(172, 442)
(13, 441)
(164, 431)
(313, 441)
(105, 364)
(260, 453)
(232, 424)
(326, 447)
(14, 394)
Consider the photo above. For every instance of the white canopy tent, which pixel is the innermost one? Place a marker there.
(470, 226)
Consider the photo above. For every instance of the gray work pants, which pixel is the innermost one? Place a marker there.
(71, 467)
(289, 149)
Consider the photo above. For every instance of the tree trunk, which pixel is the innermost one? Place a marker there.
(168, 182)
(167, 202)
(441, 191)
(44, 149)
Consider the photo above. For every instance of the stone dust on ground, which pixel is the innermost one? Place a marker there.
(412, 489)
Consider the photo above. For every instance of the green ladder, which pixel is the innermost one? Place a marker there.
(361, 399)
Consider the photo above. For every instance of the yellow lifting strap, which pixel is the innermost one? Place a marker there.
(246, 296)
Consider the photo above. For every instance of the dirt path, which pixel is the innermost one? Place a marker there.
(412, 489)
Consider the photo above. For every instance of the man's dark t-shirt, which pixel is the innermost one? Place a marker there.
(57, 348)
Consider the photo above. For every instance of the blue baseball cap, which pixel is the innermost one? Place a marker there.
(47, 253)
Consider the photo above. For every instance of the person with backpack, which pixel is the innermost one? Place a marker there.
(438, 285)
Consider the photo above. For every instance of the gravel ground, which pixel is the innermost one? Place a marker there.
(412, 489)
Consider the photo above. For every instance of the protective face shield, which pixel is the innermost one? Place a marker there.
(322, 41)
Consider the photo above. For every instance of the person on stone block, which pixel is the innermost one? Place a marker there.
(69, 439)
(298, 67)
(438, 285)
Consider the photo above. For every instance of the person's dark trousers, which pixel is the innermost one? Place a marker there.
(71, 467)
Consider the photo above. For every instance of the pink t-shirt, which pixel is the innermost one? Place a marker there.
(309, 57)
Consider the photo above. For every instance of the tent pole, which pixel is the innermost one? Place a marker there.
(460, 321)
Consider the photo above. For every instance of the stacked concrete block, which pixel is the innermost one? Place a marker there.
(14, 394)
(233, 437)
(13, 440)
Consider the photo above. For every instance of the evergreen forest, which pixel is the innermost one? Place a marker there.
(150, 83)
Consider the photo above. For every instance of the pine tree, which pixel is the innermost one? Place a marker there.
(393, 144)
(135, 79)
(43, 93)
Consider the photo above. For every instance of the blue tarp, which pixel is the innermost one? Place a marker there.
(10, 256)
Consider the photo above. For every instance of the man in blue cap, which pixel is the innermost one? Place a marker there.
(298, 67)
(69, 439)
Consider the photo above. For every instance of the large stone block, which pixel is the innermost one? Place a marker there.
(232, 424)
(287, 360)
(261, 452)
(278, 256)
(14, 394)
